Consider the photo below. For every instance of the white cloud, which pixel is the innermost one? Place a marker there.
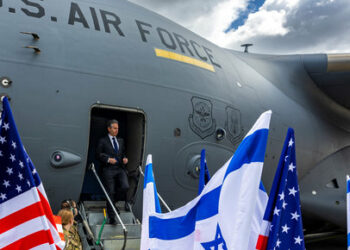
(262, 23)
(280, 26)
(213, 24)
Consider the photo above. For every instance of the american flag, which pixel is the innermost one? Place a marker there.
(26, 217)
(283, 215)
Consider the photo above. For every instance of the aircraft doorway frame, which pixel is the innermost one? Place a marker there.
(132, 123)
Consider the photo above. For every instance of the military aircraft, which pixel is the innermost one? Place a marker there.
(69, 66)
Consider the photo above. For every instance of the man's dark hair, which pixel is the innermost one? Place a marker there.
(110, 122)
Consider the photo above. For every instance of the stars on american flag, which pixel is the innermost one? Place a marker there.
(2, 139)
(281, 196)
(14, 176)
(6, 126)
(290, 143)
(291, 167)
(278, 243)
(285, 228)
(3, 196)
(18, 188)
(292, 191)
(298, 240)
(285, 213)
(284, 204)
(9, 171)
(6, 183)
(276, 211)
(295, 215)
(20, 176)
(12, 158)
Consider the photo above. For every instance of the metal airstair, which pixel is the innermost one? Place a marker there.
(96, 234)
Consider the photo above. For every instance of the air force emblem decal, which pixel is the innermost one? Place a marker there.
(233, 125)
(201, 120)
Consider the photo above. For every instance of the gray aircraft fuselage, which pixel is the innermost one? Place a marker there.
(114, 54)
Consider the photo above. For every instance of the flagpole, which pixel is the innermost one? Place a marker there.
(348, 207)
(160, 197)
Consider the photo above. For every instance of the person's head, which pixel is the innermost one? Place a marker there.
(113, 127)
(70, 204)
(66, 217)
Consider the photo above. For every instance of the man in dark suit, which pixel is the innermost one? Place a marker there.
(110, 152)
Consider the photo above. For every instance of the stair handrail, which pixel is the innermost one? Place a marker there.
(85, 223)
(92, 167)
(160, 197)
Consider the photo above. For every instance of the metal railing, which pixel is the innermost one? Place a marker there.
(160, 197)
(92, 167)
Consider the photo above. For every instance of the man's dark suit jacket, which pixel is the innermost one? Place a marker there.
(105, 150)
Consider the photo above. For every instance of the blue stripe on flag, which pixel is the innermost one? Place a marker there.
(348, 186)
(149, 178)
(148, 175)
(261, 187)
(174, 228)
(251, 149)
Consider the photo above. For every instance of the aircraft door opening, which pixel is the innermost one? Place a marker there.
(132, 130)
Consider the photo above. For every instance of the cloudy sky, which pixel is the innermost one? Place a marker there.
(273, 26)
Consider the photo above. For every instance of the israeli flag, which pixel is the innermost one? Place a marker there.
(348, 207)
(150, 202)
(221, 216)
(204, 175)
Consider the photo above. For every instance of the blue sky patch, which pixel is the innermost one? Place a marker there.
(253, 6)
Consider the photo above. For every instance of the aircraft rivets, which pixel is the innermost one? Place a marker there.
(5, 82)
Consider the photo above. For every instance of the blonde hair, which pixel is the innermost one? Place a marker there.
(66, 216)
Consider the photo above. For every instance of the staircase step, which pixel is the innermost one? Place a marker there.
(131, 244)
(111, 232)
(92, 205)
(96, 218)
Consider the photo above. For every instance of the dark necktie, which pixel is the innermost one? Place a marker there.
(115, 145)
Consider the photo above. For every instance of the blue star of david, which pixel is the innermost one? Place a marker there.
(216, 242)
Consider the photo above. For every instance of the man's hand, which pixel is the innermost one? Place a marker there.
(125, 160)
(112, 161)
